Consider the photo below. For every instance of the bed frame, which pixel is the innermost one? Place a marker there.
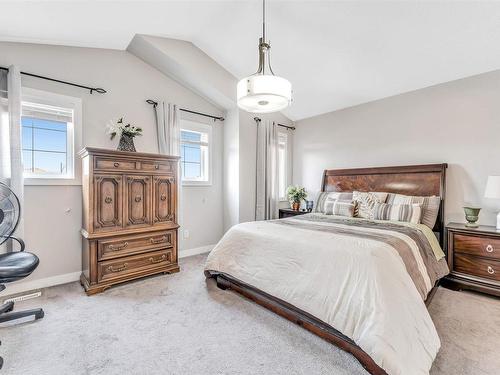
(420, 180)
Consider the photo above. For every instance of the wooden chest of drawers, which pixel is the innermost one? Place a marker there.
(474, 258)
(129, 216)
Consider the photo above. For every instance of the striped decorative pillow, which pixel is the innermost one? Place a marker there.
(366, 202)
(430, 206)
(344, 208)
(409, 213)
(323, 199)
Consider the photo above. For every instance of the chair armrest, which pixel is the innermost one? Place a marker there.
(18, 240)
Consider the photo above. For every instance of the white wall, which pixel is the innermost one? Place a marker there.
(457, 123)
(51, 231)
(231, 168)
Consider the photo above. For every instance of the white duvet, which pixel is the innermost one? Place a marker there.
(358, 286)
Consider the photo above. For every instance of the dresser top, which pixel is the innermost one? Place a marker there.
(102, 151)
(488, 229)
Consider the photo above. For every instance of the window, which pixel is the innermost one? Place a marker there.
(48, 136)
(195, 153)
(283, 175)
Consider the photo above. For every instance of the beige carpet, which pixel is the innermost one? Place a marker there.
(180, 324)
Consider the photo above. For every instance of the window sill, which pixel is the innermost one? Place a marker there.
(52, 182)
(196, 183)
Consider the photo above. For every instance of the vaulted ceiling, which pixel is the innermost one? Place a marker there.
(336, 54)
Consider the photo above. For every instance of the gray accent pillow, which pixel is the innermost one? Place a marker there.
(323, 197)
(409, 213)
(430, 206)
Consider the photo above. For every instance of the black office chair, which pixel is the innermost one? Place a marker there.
(14, 265)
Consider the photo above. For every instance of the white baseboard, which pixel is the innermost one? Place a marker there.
(195, 251)
(25, 286)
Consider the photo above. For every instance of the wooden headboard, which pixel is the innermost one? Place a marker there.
(419, 180)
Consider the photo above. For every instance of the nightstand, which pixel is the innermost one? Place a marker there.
(473, 258)
(288, 212)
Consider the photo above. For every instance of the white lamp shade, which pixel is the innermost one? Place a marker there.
(264, 93)
(492, 187)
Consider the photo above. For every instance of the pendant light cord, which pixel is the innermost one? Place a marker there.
(264, 21)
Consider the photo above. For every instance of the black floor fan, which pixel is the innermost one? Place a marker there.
(14, 265)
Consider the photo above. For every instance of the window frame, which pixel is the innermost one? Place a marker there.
(190, 125)
(73, 136)
(288, 164)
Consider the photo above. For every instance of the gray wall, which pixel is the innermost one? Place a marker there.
(456, 122)
(51, 231)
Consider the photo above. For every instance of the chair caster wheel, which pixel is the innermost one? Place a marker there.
(10, 309)
(39, 315)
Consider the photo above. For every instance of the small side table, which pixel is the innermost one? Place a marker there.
(288, 212)
(473, 258)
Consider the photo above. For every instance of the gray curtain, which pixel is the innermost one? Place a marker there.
(267, 197)
(11, 164)
(168, 130)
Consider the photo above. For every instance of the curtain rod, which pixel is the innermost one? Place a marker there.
(155, 104)
(283, 126)
(91, 89)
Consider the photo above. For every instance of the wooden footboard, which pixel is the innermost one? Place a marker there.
(299, 317)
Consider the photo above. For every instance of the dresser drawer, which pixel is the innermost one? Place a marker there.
(163, 166)
(134, 244)
(112, 269)
(475, 266)
(113, 164)
(475, 245)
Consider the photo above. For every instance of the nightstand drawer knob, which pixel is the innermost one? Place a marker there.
(489, 249)
(491, 271)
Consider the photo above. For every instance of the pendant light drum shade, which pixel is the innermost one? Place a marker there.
(264, 93)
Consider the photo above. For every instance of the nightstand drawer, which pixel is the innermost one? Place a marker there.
(471, 265)
(475, 245)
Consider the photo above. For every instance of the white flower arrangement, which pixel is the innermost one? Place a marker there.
(120, 127)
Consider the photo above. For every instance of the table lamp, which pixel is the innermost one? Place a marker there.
(493, 191)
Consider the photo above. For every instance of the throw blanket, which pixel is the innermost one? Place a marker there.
(367, 279)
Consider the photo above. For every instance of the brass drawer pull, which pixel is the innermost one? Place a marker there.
(118, 269)
(491, 271)
(489, 248)
(163, 197)
(138, 198)
(159, 240)
(118, 247)
(159, 260)
(157, 166)
(116, 165)
(108, 200)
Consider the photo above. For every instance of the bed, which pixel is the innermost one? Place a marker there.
(360, 284)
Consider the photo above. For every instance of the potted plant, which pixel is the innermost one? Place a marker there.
(296, 194)
(127, 133)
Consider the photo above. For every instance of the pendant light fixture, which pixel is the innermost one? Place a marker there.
(264, 92)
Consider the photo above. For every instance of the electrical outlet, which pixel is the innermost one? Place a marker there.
(186, 234)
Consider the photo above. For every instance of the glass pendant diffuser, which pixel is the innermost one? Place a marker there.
(264, 92)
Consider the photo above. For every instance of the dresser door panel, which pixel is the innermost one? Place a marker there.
(137, 201)
(107, 202)
(164, 200)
